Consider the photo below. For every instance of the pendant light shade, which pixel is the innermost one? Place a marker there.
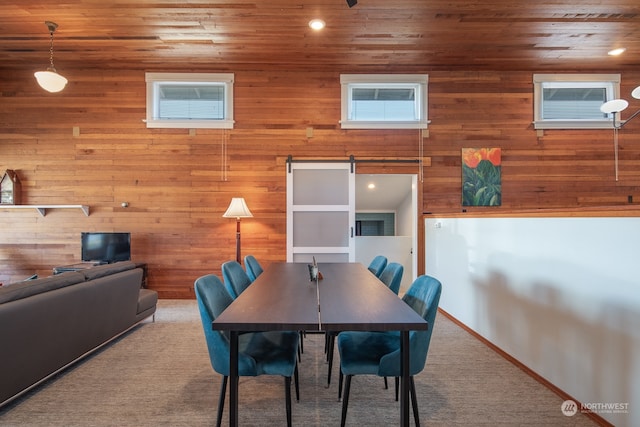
(50, 80)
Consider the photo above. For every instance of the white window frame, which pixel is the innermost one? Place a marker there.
(348, 82)
(155, 80)
(611, 83)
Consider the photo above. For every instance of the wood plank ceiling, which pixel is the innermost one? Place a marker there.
(374, 35)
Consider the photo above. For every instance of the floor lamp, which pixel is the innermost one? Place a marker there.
(615, 106)
(238, 209)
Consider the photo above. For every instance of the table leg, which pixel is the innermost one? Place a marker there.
(404, 379)
(233, 379)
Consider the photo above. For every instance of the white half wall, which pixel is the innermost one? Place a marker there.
(395, 248)
(560, 295)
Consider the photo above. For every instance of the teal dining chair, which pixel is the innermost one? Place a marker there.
(253, 267)
(235, 278)
(259, 353)
(390, 276)
(378, 353)
(377, 265)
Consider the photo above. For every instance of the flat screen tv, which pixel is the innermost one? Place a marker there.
(105, 247)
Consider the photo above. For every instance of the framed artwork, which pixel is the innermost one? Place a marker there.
(481, 177)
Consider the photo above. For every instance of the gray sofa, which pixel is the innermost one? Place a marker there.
(47, 324)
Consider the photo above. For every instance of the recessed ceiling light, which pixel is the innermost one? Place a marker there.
(317, 24)
(371, 186)
(616, 52)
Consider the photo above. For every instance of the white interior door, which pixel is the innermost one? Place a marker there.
(320, 212)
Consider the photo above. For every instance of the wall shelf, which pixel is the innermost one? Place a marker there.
(42, 209)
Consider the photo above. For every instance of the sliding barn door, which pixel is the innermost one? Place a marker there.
(320, 212)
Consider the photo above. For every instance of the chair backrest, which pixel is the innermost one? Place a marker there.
(392, 276)
(213, 299)
(377, 265)
(235, 278)
(253, 267)
(423, 297)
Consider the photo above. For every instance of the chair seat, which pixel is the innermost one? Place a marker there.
(273, 353)
(361, 351)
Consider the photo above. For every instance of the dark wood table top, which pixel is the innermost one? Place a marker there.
(348, 297)
(352, 299)
(281, 298)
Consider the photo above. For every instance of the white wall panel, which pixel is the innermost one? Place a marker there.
(561, 295)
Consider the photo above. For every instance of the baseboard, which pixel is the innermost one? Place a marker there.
(565, 396)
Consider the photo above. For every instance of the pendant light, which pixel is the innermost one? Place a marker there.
(50, 80)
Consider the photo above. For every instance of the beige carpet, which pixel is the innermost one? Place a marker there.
(159, 375)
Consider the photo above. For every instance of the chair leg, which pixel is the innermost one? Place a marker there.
(326, 344)
(223, 392)
(397, 381)
(300, 345)
(345, 400)
(414, 400)
(287, 398)
(297, 385)
(386, 385)
(332, 340)
(340, 385)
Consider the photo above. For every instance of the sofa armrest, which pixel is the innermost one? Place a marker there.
(147, 302)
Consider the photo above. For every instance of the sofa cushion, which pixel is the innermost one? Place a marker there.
(32, 287)
(107, 269)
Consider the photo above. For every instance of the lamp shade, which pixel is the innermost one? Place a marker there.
(50, 80)
(614, 106)
(238, 209)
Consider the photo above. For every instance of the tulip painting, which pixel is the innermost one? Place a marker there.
(481, 178)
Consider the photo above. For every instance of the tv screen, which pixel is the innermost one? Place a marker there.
(106, 247)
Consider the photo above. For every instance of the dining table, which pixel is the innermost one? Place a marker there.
(344, 297)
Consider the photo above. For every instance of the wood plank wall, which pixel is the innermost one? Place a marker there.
(178, 184)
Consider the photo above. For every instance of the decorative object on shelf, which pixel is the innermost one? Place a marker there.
(10, 188)
(615, 106)
(50, 80)
(238, 209)
(481, 177)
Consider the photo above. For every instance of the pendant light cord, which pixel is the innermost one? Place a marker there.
(51, 51)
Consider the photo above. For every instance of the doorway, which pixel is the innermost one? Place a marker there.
(386, 221)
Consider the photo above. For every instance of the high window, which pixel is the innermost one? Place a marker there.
(572, 101)
(189, 100)
(384, 101)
